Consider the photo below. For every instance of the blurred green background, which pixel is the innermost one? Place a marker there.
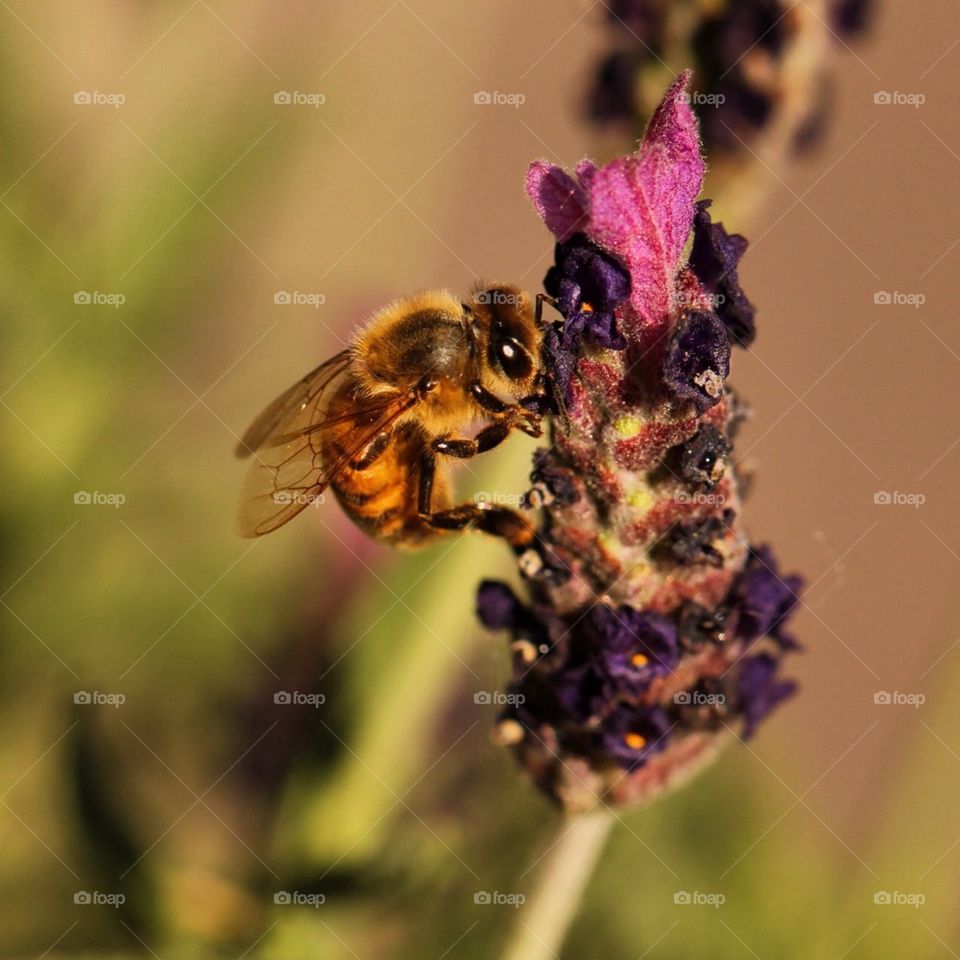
(197, 200)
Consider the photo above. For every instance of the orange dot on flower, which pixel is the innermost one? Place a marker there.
(639, 660)
(635, 741)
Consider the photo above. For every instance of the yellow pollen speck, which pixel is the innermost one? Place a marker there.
(635, 741)
(639, 660)
(640, 499)
(586, 308)
(628, 426)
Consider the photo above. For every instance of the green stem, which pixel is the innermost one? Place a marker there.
(562, 878)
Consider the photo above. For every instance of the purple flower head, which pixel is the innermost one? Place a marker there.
(714, 260)
(631, 647)
(759, 690)
(631, 734)
(764, 599)
(638, 208)
(627, 669)
(697, 361)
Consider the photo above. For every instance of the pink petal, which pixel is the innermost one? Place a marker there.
(641, 207)
(558, 198)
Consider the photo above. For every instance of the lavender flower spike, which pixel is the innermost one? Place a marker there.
(651, 627)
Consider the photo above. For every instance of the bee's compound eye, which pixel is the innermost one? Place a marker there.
(513, 358)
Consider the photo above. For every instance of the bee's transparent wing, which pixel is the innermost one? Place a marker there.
(303, 397)
(288, 472)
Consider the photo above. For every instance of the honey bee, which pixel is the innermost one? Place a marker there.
(380, 422)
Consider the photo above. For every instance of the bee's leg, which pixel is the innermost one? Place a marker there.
(463, 448)
(497, 521)
(516, 416)
(428, 467)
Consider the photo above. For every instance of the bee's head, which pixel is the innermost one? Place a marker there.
(506, 340)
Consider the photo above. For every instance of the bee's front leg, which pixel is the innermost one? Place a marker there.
(518, 417)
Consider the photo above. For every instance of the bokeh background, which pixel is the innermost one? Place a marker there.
(200, 799)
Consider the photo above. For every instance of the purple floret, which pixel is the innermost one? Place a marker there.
(714, 259)
(760, 691)
(698, 360)
(764, 599)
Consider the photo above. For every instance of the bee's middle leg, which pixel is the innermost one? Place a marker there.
(498, 521)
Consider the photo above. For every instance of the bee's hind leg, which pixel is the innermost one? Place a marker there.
(497, 521)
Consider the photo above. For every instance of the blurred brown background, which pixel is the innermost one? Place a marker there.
(199, 199)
